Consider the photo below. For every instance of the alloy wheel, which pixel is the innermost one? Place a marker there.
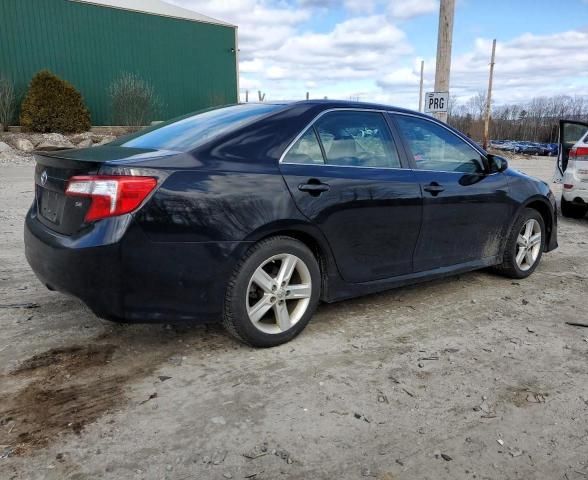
(528, 244)
(278, 294)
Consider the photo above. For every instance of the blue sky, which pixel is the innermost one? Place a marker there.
(371, 49)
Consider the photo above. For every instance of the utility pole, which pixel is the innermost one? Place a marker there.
(421, 87)
(444, 39)
(489, 98)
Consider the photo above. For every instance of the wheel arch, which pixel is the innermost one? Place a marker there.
(311, 237)
(541, 205)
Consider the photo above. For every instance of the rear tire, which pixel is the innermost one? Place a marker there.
(273, 292)
(569, 210)
(524, 248)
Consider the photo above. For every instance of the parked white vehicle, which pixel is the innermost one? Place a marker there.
(572, 168)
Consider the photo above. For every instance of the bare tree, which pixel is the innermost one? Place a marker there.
(477, 104)
(134, 102)
(7, 102)
(535, 120)
(452, 106)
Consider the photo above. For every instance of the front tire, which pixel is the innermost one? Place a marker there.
(273, 293)
(569, 210)
(524, 246)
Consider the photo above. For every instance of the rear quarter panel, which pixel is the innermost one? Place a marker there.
(196, 228)
(215, 206)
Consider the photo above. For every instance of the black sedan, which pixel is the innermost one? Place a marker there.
(252, 214)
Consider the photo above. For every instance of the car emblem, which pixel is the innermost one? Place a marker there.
(44, 178)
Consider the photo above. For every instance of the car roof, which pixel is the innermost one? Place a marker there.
(345, 104)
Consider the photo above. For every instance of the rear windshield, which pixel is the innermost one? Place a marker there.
(190, 131)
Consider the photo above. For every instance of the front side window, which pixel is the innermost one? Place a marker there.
(436, 148)
(358, 139)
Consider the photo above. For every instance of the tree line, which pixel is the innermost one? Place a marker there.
(536, 120)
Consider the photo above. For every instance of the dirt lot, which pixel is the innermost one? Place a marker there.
(473, 377)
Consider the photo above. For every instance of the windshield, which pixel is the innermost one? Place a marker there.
(190, 131)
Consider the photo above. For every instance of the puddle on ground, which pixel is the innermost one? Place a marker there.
(62, 390)
(64, 394)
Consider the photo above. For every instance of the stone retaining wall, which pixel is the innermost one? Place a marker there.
(17, 143)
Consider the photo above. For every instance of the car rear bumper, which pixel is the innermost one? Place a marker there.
(91, 273)
(127, 277)
(578, 194)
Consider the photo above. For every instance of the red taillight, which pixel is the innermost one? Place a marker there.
(111, 195)
(568, 186)
(578, 152)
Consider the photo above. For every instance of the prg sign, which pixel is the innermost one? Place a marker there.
(436, 102)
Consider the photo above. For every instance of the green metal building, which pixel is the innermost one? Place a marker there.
(190, 59)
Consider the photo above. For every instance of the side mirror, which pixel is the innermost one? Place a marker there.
(496, 163)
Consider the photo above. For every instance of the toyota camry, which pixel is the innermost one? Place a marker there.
(252, 214)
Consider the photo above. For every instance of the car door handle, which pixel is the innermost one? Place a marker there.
(434, 188)
(314, 188)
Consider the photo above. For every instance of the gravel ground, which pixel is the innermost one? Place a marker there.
(471, 377)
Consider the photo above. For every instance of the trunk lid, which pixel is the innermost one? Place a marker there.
(65, 214)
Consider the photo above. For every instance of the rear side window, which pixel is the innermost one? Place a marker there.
(436, 148)
(358, 139)
(186, 133)
(306, 150)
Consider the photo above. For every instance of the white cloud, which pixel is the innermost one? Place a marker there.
(412, 8)
(252, 66)
(354, 49)
(248, 83)
(360, 6)
(526, 66)
(355, 6)
(401, 77)
(319, 3)
(276, 73)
